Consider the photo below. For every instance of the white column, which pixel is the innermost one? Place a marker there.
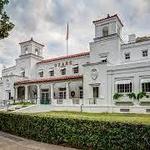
(26, 93)
(16, 93)
(67, 90)
(52, 93)
(38, 94)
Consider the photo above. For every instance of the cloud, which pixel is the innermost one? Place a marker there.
(45, 21)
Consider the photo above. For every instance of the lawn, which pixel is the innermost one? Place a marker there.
(111, 117)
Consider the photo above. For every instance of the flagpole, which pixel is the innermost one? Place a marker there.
(67, 37)
(67, 46)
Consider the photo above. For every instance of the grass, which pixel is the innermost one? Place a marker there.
(111, 117)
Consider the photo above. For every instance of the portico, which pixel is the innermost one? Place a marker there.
(55, 91)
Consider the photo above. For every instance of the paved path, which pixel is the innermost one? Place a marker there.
(11, 142)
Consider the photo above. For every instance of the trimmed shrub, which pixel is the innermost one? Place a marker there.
(85, 134)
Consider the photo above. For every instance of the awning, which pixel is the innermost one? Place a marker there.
(123, 82)
(145, 80)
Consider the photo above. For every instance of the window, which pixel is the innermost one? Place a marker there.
(41, 73)
(105, 31)
(51, 73)
(23, 73)
(127, 56)
(36, 51)
(104, 59)
(26, 50)
(76, 70)
(62, 93)
(146, 87)
(81, 92)
(63, 71)
(145, 53)
(95, 92)
(124, 88)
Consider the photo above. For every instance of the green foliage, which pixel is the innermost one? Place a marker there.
(23, 103)
(5, 24)
(79, 133)
(131, 95)
(117, 96)
(141, 95)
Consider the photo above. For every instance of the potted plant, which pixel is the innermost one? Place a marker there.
(142, 95)
(131, 96)
(117, 96)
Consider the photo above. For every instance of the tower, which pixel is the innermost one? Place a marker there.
(107, 39)
(31, 53)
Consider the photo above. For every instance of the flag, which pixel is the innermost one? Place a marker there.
(67, 33)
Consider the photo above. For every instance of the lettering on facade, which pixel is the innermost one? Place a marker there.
(63, 64)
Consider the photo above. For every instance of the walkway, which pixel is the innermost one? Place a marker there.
(11, 142)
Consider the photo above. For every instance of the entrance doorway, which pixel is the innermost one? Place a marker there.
(45, 96)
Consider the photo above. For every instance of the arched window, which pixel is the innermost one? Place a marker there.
(36, 51)
(26, 50)
(105, 31)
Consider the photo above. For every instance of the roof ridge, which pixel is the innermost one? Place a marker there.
(64, 57)
(50, 79)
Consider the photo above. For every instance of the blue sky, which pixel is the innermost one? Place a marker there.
(45, 21)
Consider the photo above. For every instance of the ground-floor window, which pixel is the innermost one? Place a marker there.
(124, 88)
(95, 92)
(146, 87)
(62, 93)
(81, 92)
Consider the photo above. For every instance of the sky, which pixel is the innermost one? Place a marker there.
(45, 21)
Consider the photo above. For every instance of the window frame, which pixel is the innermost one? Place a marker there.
(97, 90)
(105, 31)
(145, 54)
(63, 71)
(41, 73)
(76, 69)
(127, 57)
(124, 88)
(145, 87)
(51, 73)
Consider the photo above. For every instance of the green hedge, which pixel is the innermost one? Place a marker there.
(85, 134)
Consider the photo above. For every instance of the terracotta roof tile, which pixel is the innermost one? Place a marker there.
(64, 57)
(44, 80)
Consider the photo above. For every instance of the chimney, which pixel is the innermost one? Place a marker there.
(132, 38)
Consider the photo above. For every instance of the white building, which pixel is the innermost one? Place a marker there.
(105, 79)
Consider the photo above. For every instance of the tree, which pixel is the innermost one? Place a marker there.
(5, 24)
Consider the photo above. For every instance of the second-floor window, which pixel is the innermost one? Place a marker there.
(63, 71)
(41, 73)
(127, 56)
(51, 73)
(23, 73)
(145, 53)
(76, 70)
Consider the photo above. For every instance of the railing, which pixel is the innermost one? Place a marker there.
(59, 101)
(92, 101)
(76, 101)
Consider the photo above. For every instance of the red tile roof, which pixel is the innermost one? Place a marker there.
(109, 17)
(52, 79)
(32, 41)
(64, 57)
